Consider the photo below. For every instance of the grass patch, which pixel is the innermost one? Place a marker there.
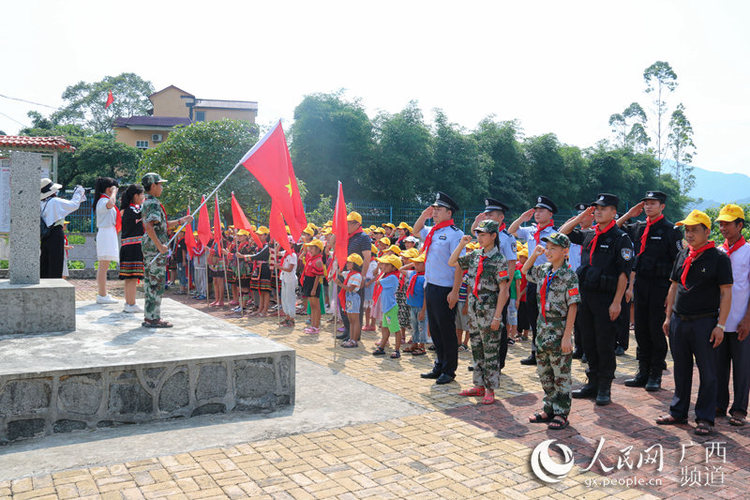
(3, 264)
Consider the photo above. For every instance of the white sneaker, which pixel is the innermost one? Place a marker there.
(134, 308)
(107, 299)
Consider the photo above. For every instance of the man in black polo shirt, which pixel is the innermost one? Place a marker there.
(360, 244)
(700, 292)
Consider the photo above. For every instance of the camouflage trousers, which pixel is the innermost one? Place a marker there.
(154, 276)
(553, 366)
(485, 342)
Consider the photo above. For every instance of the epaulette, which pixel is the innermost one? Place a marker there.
(455, 227)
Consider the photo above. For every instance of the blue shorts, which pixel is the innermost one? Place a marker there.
(353, 303)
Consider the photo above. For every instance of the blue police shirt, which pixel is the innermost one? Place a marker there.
(507, 245)
(444, 242)
(574, 256)
(526, 234)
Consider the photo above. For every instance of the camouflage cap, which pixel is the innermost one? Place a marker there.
(558, 239)
(151, 178)
(488, 226)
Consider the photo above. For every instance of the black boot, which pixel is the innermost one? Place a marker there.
(640, 379)
(603, 394)
(531, 360)
(587, 391)
(654, 380)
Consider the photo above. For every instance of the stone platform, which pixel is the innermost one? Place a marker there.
(36, 308)
(112, 371)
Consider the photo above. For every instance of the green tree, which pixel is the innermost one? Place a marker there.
(332, 140)
(660, 79)
(194, 159)
(502, 157)
(100, 156)
(548, 173)
(84, 101)
(682, 147)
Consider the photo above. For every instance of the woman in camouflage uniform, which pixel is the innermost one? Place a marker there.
(155, 225)
(488, 278)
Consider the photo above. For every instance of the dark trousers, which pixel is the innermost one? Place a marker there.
(732, 352)
(649, 297)
(532, 309)
(623, 325)
(599, 334)
(53, 254)
(503, 349)
(688, 339)
(442, 321)
(342, 309)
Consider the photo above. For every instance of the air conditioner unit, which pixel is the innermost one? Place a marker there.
(156, 138)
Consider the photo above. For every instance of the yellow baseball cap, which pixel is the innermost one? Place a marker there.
(412, 252)
(374, 249)
(523, 252)
(356, 258)
(262, 230)
(373, 227)
(195, 233)
(403, 225)
(308, 230)
(419, 258)
(389, 224)
(243, 232)
(379, 230)
(310, 224)
(390, 259)
(354, 217)
(385, 241)
(395, 249)
(694, 218)
(316, 243)
(730, 213)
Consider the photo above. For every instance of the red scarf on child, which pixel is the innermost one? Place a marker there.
(342, 292)
(413, 282)
(379, 288)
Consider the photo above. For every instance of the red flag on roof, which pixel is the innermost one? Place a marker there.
(189, 238)
(110, 100)
(217, 226)
(277, 229)
(240, 221)
(270, 163)
(204, 225)
(340, 229)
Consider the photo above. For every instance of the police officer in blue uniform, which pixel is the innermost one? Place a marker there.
(606, 261)
(545, 226)
(441, 283)
(496, 210)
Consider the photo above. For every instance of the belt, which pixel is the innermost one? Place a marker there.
(558, 318)
(135, 240)
(693, 317)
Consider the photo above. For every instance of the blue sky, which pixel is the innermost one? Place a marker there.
(560, 67)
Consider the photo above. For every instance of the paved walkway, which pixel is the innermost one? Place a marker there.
(454, 448)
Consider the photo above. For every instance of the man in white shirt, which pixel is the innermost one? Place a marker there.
(735, 350)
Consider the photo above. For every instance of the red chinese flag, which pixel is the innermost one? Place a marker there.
(118, 221)
(189, 238)
(204, 225)
(270, 163)
(217, 225)
(340, 229)
(240, 221)
(277, 229)
(110, 100)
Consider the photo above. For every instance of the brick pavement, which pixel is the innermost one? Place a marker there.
(456, 450)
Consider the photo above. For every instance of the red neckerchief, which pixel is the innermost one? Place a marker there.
(428, 239)
(342, 292)
(198, 245)
(539, 229)
(692, 255)
(379, 288)
(644, 237)
(310, 269)
(66, 244)
(359, 230)
(501, 228)
(737, 244)
(413, 282)
(401, 238)
(480, 268)
(598, 232)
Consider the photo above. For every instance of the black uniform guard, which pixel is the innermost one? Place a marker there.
(651, 269)
(598, 277)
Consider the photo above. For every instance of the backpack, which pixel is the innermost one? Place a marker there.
(44, 229)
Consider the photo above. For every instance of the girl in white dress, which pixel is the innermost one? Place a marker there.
(107, 245)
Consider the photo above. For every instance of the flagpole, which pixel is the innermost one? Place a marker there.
(187, 260)
(239, 275)
(278, 292)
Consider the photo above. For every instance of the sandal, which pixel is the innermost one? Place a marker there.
(489, 398)
(462, 348)
(704, 428)
(378, 352)
(558, 422)
(418, 352)
(410, 348)
(350, 343)
(670, 420)
(540, 417)
(474, 391)
(395, 354)
(737, 419)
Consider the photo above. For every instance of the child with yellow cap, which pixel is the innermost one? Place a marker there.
(350, 282)
(312, 279)
(385, 291)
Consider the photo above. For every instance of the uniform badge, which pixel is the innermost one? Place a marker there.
(650, 195)
(503, 274)
(627, 253)
(539, 200)
(573, 292)
(442, 237)
(601, 198)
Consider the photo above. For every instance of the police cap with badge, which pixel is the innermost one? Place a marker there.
(606, 200)
(655, 195)
(492, 205)
(443, 200)
(580, 207)
(544, 202)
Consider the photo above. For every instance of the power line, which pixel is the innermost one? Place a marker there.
(29, 102)
(11, 118)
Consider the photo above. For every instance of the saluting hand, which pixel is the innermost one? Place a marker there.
(527, 215)
(466, 239)
(635, 210)
(427, 212)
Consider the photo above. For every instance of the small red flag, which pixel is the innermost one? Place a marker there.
(189, 238)
(277, 229)
(118, 221)
(204, 225)
(217, 225)
(340, 229)
(110, 100)
(240, 221)
(270, 163)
